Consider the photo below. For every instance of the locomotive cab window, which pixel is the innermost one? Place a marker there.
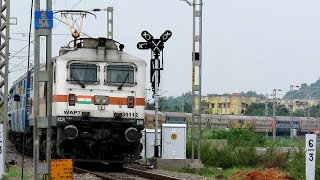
(120, 74)
(81, 73)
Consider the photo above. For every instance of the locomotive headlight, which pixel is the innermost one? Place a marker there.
(97, 100)
(101, 100)
(105, 100)
(140, 122)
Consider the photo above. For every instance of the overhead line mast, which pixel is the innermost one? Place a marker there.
(196, 81)
(4, 71)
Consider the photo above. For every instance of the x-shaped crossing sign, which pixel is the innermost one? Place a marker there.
(156, 45)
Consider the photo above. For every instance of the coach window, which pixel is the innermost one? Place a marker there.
(120, 74)
(31, 82)
(81, 73)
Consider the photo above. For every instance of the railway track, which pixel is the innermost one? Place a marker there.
(99, 175)
(128, 173)
(148, 175)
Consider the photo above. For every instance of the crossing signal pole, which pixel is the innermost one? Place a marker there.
(156, 46)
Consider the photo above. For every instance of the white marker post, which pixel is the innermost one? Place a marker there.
(2, 149)
(311, 142)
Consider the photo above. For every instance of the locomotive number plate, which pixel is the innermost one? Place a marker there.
(132, 115)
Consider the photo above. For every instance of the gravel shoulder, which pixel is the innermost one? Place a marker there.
(14, 161)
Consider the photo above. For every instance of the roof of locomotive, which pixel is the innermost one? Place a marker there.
(98, 49)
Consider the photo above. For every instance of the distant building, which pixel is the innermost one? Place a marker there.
(299, 103)
(234, 104)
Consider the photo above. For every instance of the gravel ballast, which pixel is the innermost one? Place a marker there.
(14, 160)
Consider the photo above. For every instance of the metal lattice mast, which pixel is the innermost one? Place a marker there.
(4, 66)
(196, 76)
(110, 23)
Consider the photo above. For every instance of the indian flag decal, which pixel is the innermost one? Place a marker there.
(84, 100)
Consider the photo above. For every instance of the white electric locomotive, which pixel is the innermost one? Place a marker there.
(97, 103)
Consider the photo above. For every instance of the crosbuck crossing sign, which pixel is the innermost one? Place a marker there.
(156, 45)
(143, 45)
(165, 36)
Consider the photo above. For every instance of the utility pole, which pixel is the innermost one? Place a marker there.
(291, 110)
(308, 119)
(43, 27)
(291, 115)
(196, 80)
(182, 103)
(109, 22)
(266, 112)
(4, 69)
(274, 95)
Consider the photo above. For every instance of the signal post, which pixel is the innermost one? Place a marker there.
(156, 46)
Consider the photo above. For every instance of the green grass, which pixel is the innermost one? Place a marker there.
(211, 172)
(287, 142)
(239, 154)
(16, 172)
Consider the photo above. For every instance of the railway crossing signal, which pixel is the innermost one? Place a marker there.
(143, 45)
(156, 46)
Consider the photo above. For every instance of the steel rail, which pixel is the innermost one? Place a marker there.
(99, 175)
(148, 175)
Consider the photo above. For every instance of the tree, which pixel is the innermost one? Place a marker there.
(315, 111)
(205, 107)
(298, 113)
(258, 109)
(282, 110)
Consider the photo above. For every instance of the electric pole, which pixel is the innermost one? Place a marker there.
(43, 27)
(196, 80)
(291, 110)
(266, 112)
(109, 22)
(4, 71)
(274, 95)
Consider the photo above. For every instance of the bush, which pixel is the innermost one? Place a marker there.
(237, 137)
(297, 167)
(240, 151)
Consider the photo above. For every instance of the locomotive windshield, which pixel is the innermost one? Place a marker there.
(120, 74)
(83, 73)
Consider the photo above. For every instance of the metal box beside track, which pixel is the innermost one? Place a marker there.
(147, 141)
(173, 141)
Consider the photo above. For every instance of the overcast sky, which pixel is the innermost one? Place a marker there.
(247, 44)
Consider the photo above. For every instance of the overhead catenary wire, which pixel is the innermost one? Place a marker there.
(30, 34)
(19, 64)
